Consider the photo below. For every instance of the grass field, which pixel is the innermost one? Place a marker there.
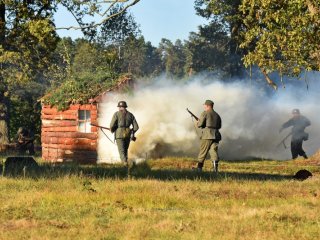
(163, 199)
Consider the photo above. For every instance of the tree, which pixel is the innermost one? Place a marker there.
(27, 36)
(100, 8)
(139, 58)
(276, 35)
(28, 39)
(174, 57)
(208, 49)
(281, 36)
(92, 58)
(227, 14)
(119, 28)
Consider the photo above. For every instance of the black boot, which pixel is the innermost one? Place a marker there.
(215, 166)
(198, 168)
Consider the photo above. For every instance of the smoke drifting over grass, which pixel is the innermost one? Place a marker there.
(251, 118)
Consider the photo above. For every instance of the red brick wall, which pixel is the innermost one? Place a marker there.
(60, 138)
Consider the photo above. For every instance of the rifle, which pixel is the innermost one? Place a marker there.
(132, 136)
(96, 125)
(284, 141)
(192, 115)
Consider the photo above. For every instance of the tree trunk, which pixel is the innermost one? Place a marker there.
(4, 101)
(2, 23)
(4, 117)
(235, 57)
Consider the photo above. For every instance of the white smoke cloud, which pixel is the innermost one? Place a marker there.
(251, 119)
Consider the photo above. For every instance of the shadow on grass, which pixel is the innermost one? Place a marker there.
(142, 171)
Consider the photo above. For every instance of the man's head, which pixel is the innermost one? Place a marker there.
(208, 105)
(122, 105)
(296, 113)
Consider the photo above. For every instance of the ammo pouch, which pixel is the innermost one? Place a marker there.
(126, 132)
(218, 136)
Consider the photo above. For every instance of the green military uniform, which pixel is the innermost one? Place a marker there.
(209, 123)
(120, 126)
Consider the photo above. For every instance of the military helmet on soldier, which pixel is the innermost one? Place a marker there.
(209, 103)
(122, 104)
(295, 111)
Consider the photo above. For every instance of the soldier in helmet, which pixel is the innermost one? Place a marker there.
(25, 141)
(210, 123)
(120, 124)
(298, 124)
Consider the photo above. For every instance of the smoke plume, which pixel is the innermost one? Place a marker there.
(251, 119)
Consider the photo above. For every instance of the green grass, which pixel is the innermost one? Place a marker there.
(163, 199)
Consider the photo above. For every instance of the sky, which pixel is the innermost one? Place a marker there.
(171, 19)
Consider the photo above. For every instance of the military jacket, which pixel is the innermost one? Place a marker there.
(121, 123)
(210, 123)
(298, 126)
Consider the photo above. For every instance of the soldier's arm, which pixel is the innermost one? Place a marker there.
(219, 122)
(135, 124)
(114, 123)
(202, 121)
(287, 124)
(308, 122)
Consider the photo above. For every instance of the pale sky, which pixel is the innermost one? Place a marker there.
(171, 19)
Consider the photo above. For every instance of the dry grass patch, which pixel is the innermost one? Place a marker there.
(163, 199)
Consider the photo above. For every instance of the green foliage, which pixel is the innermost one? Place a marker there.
(281, 36)
(25, 111)
(118, 28)
(80, 89)
(225, 14)
(27, 38)
(174, 57)
(277, 36)
(139, 58)
(90, 70)
(208, 49)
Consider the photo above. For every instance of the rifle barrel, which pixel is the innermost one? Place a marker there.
(195, 117)
(283, 140)
(96, 125)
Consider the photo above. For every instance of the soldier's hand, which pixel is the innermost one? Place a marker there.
(280, 130)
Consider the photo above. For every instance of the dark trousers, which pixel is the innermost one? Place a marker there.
(296, 149)
(24, 147)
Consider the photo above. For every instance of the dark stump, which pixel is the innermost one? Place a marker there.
(20, 166)
(302, 175)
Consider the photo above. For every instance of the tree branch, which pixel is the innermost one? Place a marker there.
(112, 3)
(268, 79)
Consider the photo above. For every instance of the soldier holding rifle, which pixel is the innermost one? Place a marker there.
(210, 123)
(120, 125)
(298, 124)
